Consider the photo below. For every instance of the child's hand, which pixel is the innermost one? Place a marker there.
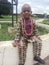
(37, 39)
(15, 44)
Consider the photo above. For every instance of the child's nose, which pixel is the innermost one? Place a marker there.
(26, 12)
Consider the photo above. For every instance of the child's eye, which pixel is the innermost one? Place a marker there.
(27, 11)
(24, 11)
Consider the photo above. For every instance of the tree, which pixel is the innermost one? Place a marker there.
(5, 7)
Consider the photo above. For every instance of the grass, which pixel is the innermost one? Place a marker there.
(35, 18)
(46, 21)
(6, 18)
(4, 35)
(9, 18)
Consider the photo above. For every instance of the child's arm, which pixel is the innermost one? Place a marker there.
(35, 32)
(17, 34)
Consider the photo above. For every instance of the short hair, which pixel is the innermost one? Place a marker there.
(26, 6)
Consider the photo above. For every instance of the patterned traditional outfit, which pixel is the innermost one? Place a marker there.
(26, 29)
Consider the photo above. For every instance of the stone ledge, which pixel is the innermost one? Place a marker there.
(9, 54)
(12, 29)
(44, 37)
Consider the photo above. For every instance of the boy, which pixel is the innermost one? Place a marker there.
(26, 30)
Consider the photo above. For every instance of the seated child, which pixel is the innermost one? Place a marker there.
(26, 30)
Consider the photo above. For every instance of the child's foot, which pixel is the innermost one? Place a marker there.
(39, 60)
(21, 64)
(37, 64)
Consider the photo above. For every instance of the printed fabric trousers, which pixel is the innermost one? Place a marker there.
(22, 51)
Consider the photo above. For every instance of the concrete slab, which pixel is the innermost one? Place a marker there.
(9, 55)
(1, 55)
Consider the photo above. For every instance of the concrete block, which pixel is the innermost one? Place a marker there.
(9, 55)
(1, 55)
(10, 29)
(45, 48)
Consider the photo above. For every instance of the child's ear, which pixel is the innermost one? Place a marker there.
(21, 13)
(31, 12)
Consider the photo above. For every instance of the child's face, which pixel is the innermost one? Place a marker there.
(26, 13)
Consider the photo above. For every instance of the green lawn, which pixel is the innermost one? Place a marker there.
(35, 18)
(6, 18)
(4, 35)
(46, 21)
(9, 18)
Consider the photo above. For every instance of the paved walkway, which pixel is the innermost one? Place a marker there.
(6, 21)
(39, 20)
(41, 24)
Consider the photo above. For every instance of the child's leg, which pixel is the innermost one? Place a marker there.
(37, 49)
(37, 52)
(34, 49)
(22, 54)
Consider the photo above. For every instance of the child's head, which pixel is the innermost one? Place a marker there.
(26, 11)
